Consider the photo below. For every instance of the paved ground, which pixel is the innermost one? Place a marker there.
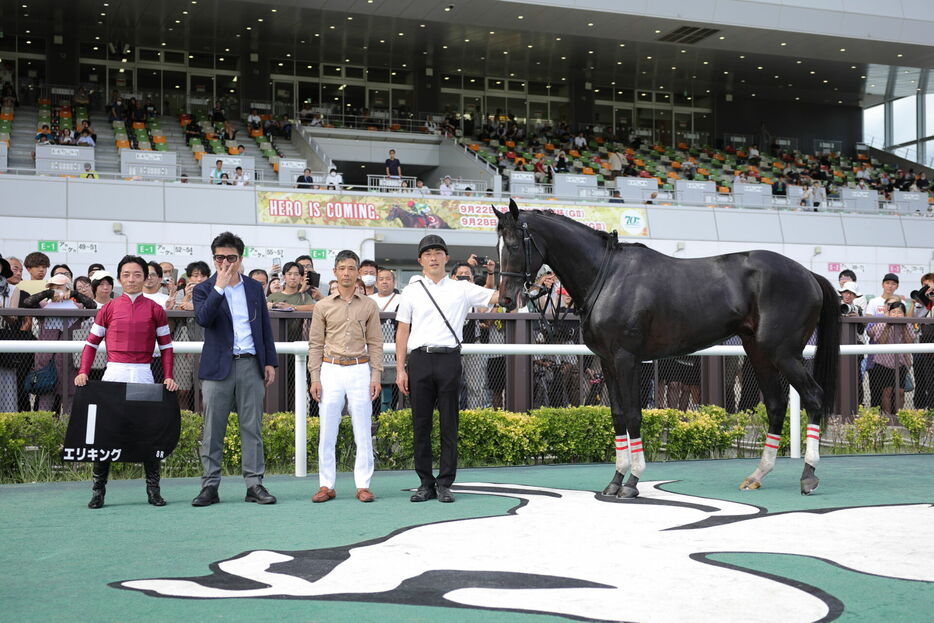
(63, 562)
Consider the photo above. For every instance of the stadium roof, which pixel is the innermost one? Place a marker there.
(536, 42)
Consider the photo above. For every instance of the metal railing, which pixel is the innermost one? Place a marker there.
(298, 350)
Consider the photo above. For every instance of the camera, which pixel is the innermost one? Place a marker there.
(923, 295)
(482, 260)
(846, 309)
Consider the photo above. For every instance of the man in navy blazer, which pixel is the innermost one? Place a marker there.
(238, 362)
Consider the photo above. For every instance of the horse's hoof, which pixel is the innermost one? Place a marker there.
(628, 493)
(611, 489)
(809, 484)
(750, 484)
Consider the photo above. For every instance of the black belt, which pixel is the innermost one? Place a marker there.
(439, 349)
(243, 355)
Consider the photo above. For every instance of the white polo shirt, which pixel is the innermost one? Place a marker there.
(455, 298)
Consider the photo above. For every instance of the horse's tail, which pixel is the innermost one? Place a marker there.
(828, 344)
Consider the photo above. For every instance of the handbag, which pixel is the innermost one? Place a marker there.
(41, 381)
(909, 382)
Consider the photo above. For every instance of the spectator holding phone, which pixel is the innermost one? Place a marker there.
(312, 279)
(292, 297)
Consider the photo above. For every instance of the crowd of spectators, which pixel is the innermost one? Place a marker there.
(295, 286)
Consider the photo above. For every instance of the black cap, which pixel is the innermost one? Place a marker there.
(431, 241)
(890, 277)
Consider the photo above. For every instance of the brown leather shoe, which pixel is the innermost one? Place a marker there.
(323, 495)
(365, 495)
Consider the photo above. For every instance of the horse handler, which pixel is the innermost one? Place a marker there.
(431, 318)
(345, 360)
(132, 325)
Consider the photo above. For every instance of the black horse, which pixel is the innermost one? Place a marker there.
(634, 307)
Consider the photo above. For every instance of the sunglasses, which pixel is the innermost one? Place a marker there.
(230, 258)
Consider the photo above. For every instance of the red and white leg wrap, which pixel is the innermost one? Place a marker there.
(638, 457)
(622, 454)
(769, 452)
(812, 445)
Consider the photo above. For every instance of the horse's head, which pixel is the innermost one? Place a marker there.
(393, 212)
(519, 256)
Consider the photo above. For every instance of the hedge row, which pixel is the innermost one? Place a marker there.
(30, 443)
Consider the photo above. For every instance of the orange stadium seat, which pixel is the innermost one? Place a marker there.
(139, 125)
(588, 171)
(123, 144)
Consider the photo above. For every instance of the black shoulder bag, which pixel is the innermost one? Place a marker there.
(443, 317)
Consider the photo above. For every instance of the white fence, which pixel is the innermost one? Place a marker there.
(299, 350)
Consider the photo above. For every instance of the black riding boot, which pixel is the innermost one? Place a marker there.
(152, 469)
(99, 474)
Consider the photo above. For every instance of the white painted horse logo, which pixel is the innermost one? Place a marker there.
(586, 556)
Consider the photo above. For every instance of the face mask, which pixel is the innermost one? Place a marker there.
(368, 280)
(462, 278)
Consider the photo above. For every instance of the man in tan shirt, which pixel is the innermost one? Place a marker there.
(345, 359)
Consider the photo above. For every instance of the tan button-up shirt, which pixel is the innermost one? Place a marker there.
(343, 330)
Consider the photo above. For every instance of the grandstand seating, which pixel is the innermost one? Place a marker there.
(255, 143)
(665, 163)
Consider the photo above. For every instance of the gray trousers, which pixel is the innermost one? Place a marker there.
(244, 389)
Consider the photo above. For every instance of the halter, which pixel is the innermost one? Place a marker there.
(528, 242)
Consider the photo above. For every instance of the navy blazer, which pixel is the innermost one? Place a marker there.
(213, 313)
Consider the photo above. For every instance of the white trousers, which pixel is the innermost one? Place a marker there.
(127, 372)
(338, 382)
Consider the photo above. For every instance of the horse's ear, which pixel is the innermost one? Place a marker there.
(514, 209)
(498, 214)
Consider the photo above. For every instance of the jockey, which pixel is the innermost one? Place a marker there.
(132, 325)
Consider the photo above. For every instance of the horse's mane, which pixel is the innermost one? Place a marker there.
(604, 236)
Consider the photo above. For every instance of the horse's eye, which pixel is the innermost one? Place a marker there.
(514, 246)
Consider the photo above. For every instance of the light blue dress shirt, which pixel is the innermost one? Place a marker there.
(236, 301)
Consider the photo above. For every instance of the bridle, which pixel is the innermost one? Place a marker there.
(583, 307)
(527, 243)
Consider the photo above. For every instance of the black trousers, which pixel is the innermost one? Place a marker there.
(434, 380)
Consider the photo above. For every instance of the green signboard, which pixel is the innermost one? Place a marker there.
(145, 249)
(318, 254)
(48, 246)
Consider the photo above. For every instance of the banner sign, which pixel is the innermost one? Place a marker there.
(126, 422)
(338, 210)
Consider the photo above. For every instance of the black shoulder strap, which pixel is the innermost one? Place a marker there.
(443, 317)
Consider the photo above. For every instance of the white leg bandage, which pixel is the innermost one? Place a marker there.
(769, 452)
(638, 457)
(622, 453)
(812, 445)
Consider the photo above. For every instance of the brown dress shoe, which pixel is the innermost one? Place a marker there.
(323, 495)
(364, 495)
